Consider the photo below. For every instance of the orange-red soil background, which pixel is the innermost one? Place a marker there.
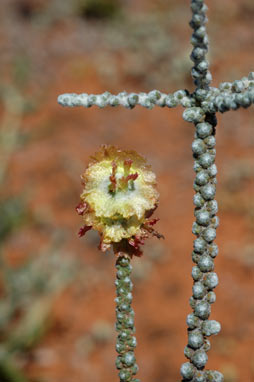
(64, 51)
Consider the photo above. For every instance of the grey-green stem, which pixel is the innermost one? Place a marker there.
(203, 255)
(126, 342)
(205, 250)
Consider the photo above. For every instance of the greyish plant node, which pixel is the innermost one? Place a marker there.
(200, 108)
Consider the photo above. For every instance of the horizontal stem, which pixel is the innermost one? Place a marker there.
(128, 100)
(229, 95)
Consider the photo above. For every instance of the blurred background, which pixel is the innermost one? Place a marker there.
(57, 292)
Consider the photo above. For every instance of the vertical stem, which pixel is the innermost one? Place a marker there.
(126, 342)
(200, 73)
(205, 250)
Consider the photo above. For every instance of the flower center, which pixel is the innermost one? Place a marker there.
(123, 183)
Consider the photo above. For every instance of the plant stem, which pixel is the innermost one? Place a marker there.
(205, 250)
(200, 73)
(126, 342)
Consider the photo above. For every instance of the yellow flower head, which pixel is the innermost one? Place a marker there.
(118, 199)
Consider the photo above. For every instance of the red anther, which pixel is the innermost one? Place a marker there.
(112, 177)
(114, 167)
(81, 208)
(127, 164)
(83, 230)
(131, 177)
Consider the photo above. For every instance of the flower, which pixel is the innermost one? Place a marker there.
(118, 199)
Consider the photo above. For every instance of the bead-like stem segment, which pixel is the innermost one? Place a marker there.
(126, 342)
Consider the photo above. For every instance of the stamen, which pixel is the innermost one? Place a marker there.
(131, 177)
(113, 185)
(127, 166)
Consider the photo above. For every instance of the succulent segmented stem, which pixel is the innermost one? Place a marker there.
(126, 342)
(230, 96)
(200, 73)
(128, 100)
(205, 250)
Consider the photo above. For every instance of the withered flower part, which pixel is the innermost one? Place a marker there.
(83, 230)
(81, 208)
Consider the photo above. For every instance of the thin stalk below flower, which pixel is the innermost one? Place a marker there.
(126, 341)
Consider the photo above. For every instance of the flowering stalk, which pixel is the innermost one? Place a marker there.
(126, 342)
(118, 200)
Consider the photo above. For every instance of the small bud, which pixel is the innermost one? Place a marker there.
(203, 217)
(202, 178)
(187, 370)
(211, 280)
(206, 263)
(212, 170)
(199, 245)
(195, 339)
(214, 376)
(210, 327)
(128, 359)
(212, 207)
(119, 364)
(209, 234)
(198, 290)
(208, 191)
(134, 370)
(124, 375)
(192, 321)
(198, 147)
(202, 310)
(171, 101)
(211, 297)
(188, 352)
(206, 160)
(193, 114)
(199, 376)
(204, 130)
(210, 142)
(196, 273)
(199, 359)
(198, 200)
